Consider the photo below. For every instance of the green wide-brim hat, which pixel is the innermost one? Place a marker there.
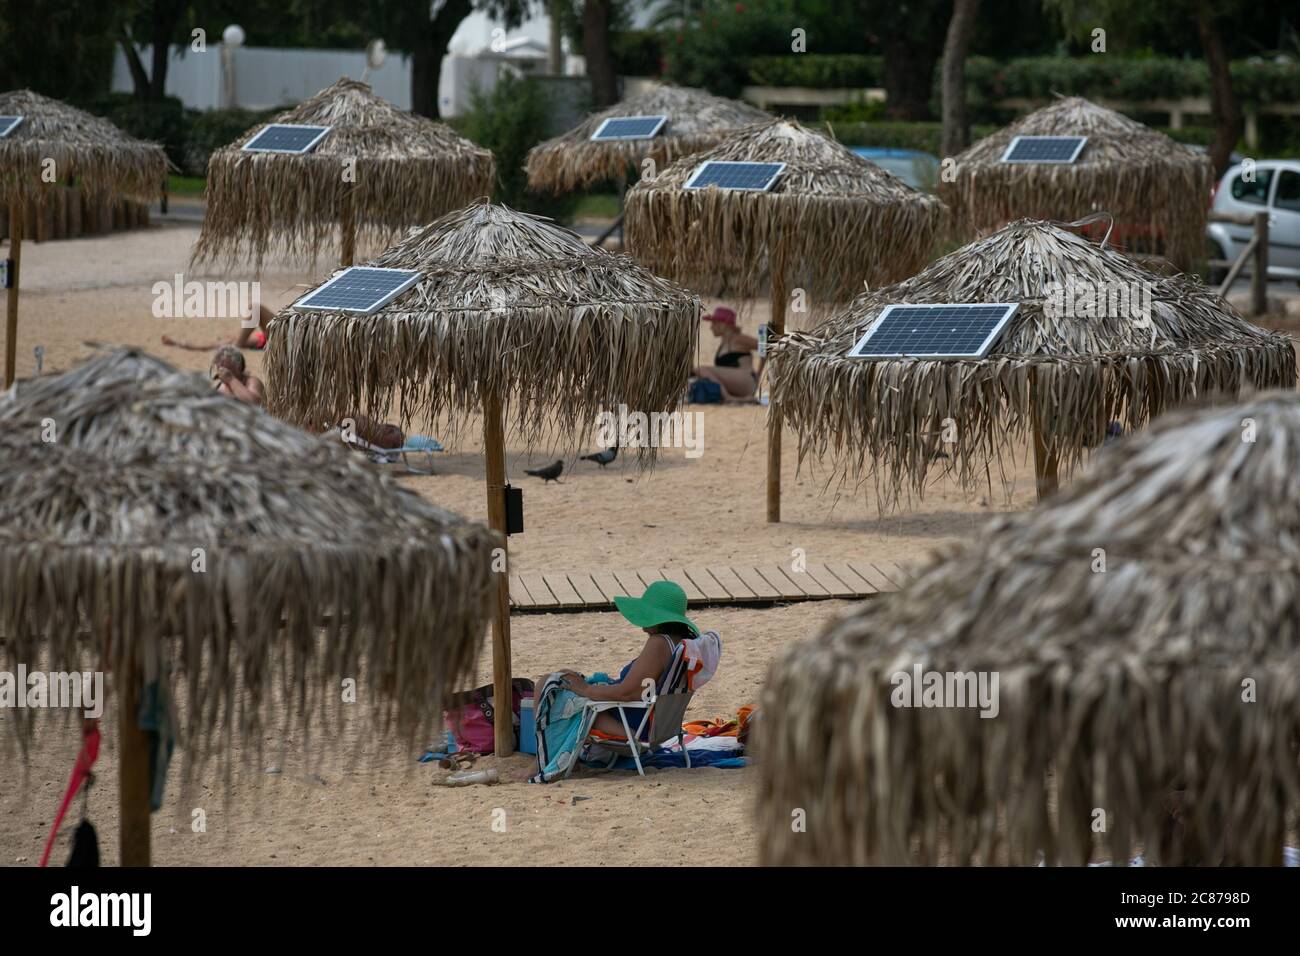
(663, 601)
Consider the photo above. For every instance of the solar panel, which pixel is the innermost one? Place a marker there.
(8, 124)
(945, 330)
(630, 127)
(751, 177)
(1044, 149)
(358, 290)
(285, 138)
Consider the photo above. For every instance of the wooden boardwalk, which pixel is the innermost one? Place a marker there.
(717, 584)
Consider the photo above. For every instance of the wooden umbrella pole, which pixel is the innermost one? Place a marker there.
(494, 447)
(775, 327)
(11, 303)
(134, 784)
(348, 231)
(1045, 462)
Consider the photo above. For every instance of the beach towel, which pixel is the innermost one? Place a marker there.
(667, 759)
(703, 654)
(561, 725)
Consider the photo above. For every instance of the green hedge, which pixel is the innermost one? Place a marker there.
(817, 70)
(925, 137)
(1128, 78)
(1098, 75)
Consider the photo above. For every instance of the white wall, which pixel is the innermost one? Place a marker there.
(267, 77)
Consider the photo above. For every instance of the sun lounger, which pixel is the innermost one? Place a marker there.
(416, 445)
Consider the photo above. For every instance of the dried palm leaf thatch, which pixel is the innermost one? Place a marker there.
(508, 304)
(1078, 353)
(295, 535)
(407, 170)
(696, 120)
(1169, 667)
(104, 160)
(830, 222)
(1146, 180)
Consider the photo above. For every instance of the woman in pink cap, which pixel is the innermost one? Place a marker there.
(733, 365)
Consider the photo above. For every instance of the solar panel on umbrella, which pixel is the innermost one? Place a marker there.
(285, 138)
(1044, 149)
(629, 127)
(749, 177)
(359, 290)
(8, 124)
(941, 330)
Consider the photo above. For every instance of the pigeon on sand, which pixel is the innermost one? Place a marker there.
(549, 473)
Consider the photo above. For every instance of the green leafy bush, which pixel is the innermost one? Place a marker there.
(713, 48)
(638, 52)
(510, 121)
(164, 121)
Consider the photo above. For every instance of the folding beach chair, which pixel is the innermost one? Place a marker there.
(664, 716)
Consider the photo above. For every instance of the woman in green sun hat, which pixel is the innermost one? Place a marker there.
(661, 613)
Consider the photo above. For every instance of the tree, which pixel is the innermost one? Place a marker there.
(1225, 109)
(596, 49)
(422, 31)
(158, 21)
(1153, 20)
(60, 48)
(956, 125)
(911, 36)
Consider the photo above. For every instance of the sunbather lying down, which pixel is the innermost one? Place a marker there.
(661, 613)
(372, 432)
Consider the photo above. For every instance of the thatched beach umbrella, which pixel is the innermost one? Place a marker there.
(53, 143)
(511, 314)
(377, 172)
(1096, 337)
(696, 120)
(1144, 179)
(151, 525)
(830, 222)
(1144, 627)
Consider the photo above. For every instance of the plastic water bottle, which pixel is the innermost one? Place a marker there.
(466, 778)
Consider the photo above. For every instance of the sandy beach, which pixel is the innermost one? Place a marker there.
(384, 808)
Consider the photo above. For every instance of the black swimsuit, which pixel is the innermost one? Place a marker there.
(728, 359)
(732, 360)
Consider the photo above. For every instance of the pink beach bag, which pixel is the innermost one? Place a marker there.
(471, 718)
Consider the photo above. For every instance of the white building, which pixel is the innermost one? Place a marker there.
(246, 75)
